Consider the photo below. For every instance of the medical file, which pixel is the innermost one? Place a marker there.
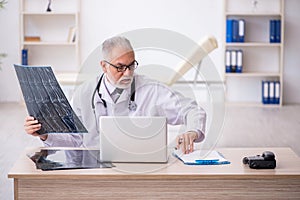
(201, 157)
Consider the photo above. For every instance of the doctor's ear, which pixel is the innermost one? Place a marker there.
(103, 65)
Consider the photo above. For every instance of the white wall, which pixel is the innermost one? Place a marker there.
(101, 19)
(291, 74)
(9, 43)
(194, 19)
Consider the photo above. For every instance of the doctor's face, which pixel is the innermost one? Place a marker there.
(117, 77)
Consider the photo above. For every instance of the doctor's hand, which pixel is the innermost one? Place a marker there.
(185, 141)
(32, 126)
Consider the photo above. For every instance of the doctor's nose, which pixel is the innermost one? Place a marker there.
(128, 72)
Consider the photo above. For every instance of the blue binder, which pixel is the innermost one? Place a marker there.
(265, 92)
(277, 31)
(241, 30)
(271, 92)
(272, 31)
(24, 56)
(277, 92)
(233, 61)
(227, 61)
(239, 62)
(229, 24)
(235, 31)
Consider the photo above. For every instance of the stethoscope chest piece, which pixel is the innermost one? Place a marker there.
(132, 106)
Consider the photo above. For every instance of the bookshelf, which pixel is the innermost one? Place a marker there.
(51, 38)
(261, 60)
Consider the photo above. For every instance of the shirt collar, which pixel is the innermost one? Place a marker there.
(109, 87)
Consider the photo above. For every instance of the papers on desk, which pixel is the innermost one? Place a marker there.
(201, 157)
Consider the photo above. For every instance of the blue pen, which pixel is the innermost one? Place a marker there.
(203, 162)
(208, 160)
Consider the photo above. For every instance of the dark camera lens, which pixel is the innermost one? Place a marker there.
(268, 155)
(245, 160)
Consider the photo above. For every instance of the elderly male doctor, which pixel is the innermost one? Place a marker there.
(121, 92)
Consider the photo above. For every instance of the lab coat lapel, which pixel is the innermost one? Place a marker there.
(125, 95)
(105, 95)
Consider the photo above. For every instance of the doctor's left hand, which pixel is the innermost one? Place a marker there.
(185, 141)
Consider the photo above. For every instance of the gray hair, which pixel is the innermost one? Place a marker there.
(115, 42)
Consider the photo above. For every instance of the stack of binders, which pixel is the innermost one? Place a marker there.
(234, 61)
(275, 31)
(270, 92)
(235, 30)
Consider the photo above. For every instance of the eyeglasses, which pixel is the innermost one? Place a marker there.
(123, 68)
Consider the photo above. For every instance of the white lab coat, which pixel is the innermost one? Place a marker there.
(152, 99)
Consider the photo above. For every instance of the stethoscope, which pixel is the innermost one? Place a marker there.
(131, 106)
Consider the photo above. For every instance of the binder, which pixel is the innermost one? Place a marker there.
(271, 92)
(235, 31)
(241, 30)
(229, 24)
(239, 64)
(277, 92)
(272, 31)
(227, 61)
(277, 31)
(72, 34)
(24, 56)
(233, 61)
(265, 92)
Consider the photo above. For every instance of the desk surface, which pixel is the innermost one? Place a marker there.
(288, 164)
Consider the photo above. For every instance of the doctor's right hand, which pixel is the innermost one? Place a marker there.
(32, 126)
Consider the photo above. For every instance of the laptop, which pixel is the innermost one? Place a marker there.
(133, 139)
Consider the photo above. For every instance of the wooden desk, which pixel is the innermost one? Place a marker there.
(165, 181)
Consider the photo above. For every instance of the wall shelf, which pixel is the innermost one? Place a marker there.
(57, 33)
(262, 60)
(49, 43)
(253, 44)
(49, 13)
(253, 74)
(52, 38)
(252, 14)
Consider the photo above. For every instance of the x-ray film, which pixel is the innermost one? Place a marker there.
(46, 101)
(62, 159)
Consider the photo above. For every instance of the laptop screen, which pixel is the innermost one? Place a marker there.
(133, 139)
